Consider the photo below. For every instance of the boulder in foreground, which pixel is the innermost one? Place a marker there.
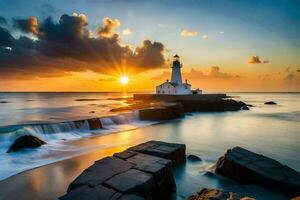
(215, 194)
(250, 168)
(26, 141)
(144, 171)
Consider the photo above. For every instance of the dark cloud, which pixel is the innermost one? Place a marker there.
(29, 25)
(67, 46)
(6, 39)
(2, 20)
(298, 70)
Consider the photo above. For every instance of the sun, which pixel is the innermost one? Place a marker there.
(124, 80)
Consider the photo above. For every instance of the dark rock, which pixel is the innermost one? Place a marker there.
(94, 123)
(212, 105)
(194, 158)
(216, 194)
(4, 102)
(161, 170)
(250, 168)
(245, 108)
(162, 113)
(26, 141)
(131, 174)
(92, 112)
(171, 151)
(100, 171)
(250, 105)
(270, 103)
(134, 181)
(91, 193)
(131, 197)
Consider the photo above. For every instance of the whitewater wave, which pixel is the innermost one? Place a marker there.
(56, 136)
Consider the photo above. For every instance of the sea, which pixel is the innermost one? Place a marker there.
(272, 130)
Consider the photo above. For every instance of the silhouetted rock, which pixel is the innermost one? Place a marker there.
(251, 168)
(216, 194)
(194, 158)
(162, 113)
(94, 123)
(4, 102)
(270, 103)
(26, 141)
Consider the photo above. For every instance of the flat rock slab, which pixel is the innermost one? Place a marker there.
(133, 181)
(92, 193)
(216, 194)
(251, 168)
(100, 171)
(141, 172)
(171, 151)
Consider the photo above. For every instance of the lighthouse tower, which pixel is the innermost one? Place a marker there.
(175, 86)
(176, 71)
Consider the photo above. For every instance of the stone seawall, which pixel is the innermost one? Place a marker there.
(165, 97)
(144, 171)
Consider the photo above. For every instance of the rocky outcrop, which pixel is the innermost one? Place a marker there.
(213, 105)
(193, 158)
(94, 123)
(140, 172)
(26, 141)
(172, 151)
(167, 112)
(270, 103)
(250, 168)
(216, 194)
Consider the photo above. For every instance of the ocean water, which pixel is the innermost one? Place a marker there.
(272, 130)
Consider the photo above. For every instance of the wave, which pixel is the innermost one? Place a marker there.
(56, 136)
(50, 132)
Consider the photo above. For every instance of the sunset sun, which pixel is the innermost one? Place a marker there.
(124, 80)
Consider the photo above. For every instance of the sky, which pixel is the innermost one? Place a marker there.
(87, 45)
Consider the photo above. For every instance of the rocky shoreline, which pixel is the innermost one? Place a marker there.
(145, 171)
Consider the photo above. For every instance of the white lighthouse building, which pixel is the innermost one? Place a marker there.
(175, 86)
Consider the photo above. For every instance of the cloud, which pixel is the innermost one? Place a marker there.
(298, 70)
(214, 72)
(29, 25)
(204, 37)
(254, 60)
(222, 32)
(187, 33)
(109, 25)
(6, 39)
(126, 31)
(67, 46)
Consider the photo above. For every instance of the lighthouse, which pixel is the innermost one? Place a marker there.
(176, 70)
(175, 86)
